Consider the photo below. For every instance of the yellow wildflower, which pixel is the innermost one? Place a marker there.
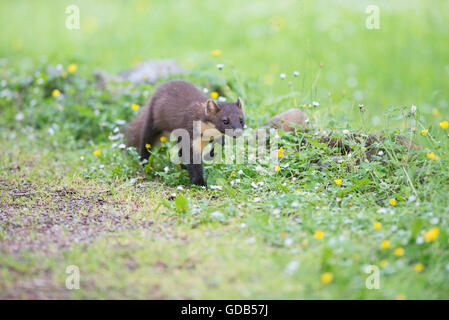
(148, 146)
(430, 155)
(277, 168)
(377, 225)
(424, 132)
(385, 244)
(444, 124)
(398, 252)
(305, 243)
(318, 234)
(72, 68)
(214, 95)
(338, 182)
(401, 296)
(327, 277)
(431, 234)
(56, 93)
(280, 152)
(97, 152)
(418, 267)
(216, 52)
(163, 139)
(392, 202)
(383, 263)
(135, 106)
(297, 191)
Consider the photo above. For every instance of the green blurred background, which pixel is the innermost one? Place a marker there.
(404, 62)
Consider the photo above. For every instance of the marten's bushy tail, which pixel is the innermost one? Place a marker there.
(134, 130)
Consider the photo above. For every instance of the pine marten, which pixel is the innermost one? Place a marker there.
(176, 105)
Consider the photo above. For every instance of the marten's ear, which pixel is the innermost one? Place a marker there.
(239, 103)
(211, 107)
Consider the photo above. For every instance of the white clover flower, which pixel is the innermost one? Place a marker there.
(276, 211)
(237, 181)
(144, 161)
(346, 131)
(254, 185)
(413, 109)
(295, 73)
(19, 116)
(261, 183)
(213, 187)
(220, 66)
(240, 172)
(251, 240)
(205, 90)
(166, 169)
(291, 267)
(256, 199)
(315, 104)
(295, 204)
(259, 168)
(288, 242)
(82, 158)
(380, 153)
(173, 194)
(180, 188)
(242, 225)
(282, 76)
(221, 99)
(116, 129)
(51, 131)
(122, 146)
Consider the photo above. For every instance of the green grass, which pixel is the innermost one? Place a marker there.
(61, 205)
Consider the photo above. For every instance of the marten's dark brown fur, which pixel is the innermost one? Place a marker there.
(176, 105)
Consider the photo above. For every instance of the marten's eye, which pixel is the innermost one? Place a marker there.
(226, 121)
(241, 122)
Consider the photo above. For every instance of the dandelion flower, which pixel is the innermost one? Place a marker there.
(305, 243)
(214, 95)
(277, 168)
(385, 244)
(393, 202)
(338, 182)
(377, 225)
(444, 124)
(424, 132)
(56, 93)
(327, 277)
(431, 234)
(318, 234)
(280, 153)
(418, 267)
(383, 263)
(399, 252)
(163, 139)
(97, 152)
(72, 68)
(216, 52)
(430, 155)
(135, 106)
(148, 146)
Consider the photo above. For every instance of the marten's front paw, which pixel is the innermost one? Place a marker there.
(198, 181)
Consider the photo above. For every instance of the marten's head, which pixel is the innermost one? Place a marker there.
(228, 118)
